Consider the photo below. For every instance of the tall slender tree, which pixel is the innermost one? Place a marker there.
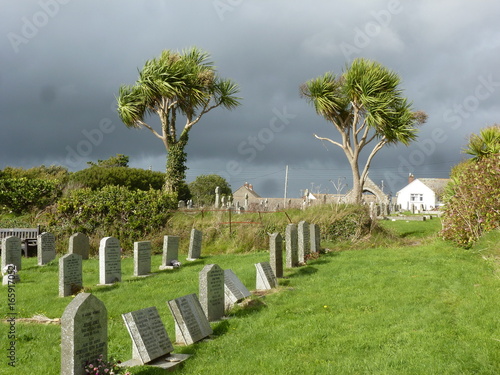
(175, 85)
(366, 106)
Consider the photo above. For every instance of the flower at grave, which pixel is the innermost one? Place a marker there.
(325, 306)
(9, 269)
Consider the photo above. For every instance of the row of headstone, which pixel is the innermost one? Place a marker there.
(300, 240)
(46, 248)
(84, 336)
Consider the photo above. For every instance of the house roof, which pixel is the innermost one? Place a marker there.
(242, 190)
(437, 185)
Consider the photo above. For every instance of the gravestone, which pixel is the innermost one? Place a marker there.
(195, 245)
(170, 252)
(315, 238)
(291, 243)
(70, 275)
(217, 197)
(84, 333)
(303, 240)
(276, 253)
(265, 278)
(110, 270)
(191, 324)
(46, 248)
(79, 244)
(11, 252)
(212, 291)
(142, 258)
(150, 342)
(234, 290)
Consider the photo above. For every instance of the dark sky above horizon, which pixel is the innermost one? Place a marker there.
(62, 62)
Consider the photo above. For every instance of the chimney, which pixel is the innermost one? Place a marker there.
(246, 184)
(250, 186)
(411, 178)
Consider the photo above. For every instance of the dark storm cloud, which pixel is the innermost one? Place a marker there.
(63, 61)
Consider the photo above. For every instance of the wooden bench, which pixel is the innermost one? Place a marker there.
(27, 235)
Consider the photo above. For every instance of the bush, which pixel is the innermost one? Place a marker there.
(96, 177)
(472, 201)
(23, 195)
(112, 211)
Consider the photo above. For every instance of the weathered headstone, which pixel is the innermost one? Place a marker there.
(217, 197)
(84, 334)
(212, 292)
(11, 252)
(195, 245)
(142, 258)
(70, 275)
(276, 253)
(110, 270)
(234, 290)
(149, 337)
(170, 251)
(303, 240)
(265, 278)
(46, 247)
(291, 241)
(79, 244)
(191, 324)
(315, 238)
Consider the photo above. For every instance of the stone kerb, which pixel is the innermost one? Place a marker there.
(303, 241)
(234, 290)
(195, 245)
(265, 278)
(276, 253)
(170, 252)
(291, 243)
(79, 244)
(46, 248)
(109, 261)
(191, 324)
(11, 252)
(142, 258)
(212, 291)
(70, 275)
(84, 333)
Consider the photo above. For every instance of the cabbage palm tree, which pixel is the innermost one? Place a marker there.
(366, 106)
(175, 86)
(487, 142)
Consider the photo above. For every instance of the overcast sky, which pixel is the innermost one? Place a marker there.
(63, 61)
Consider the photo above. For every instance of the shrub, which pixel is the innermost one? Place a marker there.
(472, 201)
(203, 188)
(23, 195)
(96, 177)
(112, 211)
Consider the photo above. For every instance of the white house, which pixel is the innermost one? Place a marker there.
(423, 193)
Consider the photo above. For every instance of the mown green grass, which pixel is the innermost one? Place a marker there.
(425, 309)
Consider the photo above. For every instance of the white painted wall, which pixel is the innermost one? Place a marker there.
(416, 193)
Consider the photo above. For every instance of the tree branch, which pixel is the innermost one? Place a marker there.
(329, 140)
(376, 149)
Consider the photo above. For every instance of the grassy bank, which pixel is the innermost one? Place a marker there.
(415, 306)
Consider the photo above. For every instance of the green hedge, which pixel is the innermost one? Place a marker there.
(23, 195)
(473, 201)
(132, 178)
(112, 211)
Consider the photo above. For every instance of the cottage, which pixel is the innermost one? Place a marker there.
(422, 193)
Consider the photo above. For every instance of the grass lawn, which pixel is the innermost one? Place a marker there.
(430, 308)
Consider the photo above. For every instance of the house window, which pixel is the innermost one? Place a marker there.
(416, 197)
